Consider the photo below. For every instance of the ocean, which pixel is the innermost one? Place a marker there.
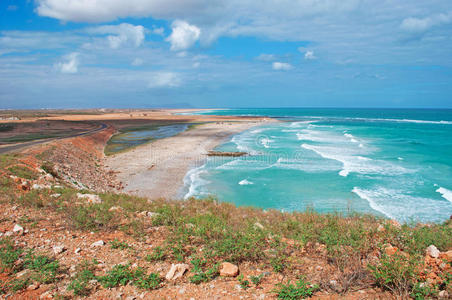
(395, 163)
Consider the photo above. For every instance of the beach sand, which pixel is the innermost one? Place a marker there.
(157, 169)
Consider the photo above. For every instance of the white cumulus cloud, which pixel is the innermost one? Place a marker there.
(421, 25)
(309, 55)
(137, 62)
(183, 35)
(266, 57)
(70, 65)
(165, 79)
(281, 66)
(122, 34)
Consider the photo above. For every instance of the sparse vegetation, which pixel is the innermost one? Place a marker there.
(300, 290)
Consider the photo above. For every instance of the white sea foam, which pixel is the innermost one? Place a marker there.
(266, 142)
(245, 182)
(445, 193)
(398, 204)
(352, 162)
(401, 120)
(193, 181)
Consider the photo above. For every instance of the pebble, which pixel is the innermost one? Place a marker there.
(432, 251)
(98, 243)
(18, 229)
(58, 249)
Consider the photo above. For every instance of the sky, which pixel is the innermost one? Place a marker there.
(225, 53)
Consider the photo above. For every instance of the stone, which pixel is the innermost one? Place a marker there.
(33, 286)
(395, 223)
(77, 251)
(448, 255)
(46, 295)
(58, 249)
(18, 229)
(432, 251)
(229, 270)
(443, 294)
(258, 225)
(115, 208)
(176, 271)
(39, 186)
(390, 250)
(99, 243)
(56, 195)
(90, 198)
(22, 273)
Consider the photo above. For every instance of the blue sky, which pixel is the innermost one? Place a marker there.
(236, 53)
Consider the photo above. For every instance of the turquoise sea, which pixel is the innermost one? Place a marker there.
(395, 163)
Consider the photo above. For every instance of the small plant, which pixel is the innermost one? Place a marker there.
(44, 267)
(148, 282)
(244, 284)
(157, 254)
(421, 292)
(122, 275)
(22, 172)
(18, 284)
(80, 284)
(119, 275)
(115, 244)
(8, 255)
(300, 290)
(278, 263)
(199, 274)
(256, 280)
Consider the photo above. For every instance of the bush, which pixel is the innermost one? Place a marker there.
(157, 254)
(300, 290)
(122, 275)
(396, 273)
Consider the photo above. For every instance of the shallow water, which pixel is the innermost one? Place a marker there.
(135, 137)
(393, 163)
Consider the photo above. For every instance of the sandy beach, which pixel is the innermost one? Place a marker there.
(157, 169)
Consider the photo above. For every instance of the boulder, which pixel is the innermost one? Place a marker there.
(229, 270)
(176, 271)
(432, 251)
(90, 198)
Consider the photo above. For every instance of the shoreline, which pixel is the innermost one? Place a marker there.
(157, 169)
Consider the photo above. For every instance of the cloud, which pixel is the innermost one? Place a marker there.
(421, 25)
(281, 66)
(309, 55)
(158, 30)
(122, 34)
(70, 66)
(165, 79)
(183, 35)
(137, 62)
(266, 57)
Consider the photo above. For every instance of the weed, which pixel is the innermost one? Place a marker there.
(18, 284)
(244, 284)
(8, 255)
(44, 267)
(23, 172)
(116, 244)
(158, 254)
(119, 275)
(256, 280)
(199, 274)
(148, 282)
(300, 290)
(80, 284)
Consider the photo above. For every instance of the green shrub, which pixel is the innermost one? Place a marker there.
(300, 290)
(116, 244)
(201, 273)
(148, 282)
(18, 284)
(244, 284)
(8, 255)
(256, 280)
(45, 268)
(157, 254)
(396, 273)
(80, 284)
(118, 275)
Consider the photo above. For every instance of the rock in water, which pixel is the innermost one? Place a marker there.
(229, 270)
